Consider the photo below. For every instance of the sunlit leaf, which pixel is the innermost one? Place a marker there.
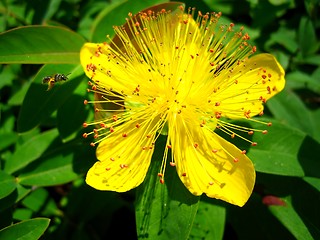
(40, 44)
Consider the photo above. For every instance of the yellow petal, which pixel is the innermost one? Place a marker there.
(250, 85)
(124, 156)
(206, 163)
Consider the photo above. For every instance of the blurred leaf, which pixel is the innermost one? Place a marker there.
(210, 220)
(307, 37)
(284, 37)
(40, 44)
(288, 108)
(40, 201)
(22, 214)
(7, 139)
(164, 211)
(39, 104)
(17, 97)
(115, 15)
(26, 230)
(7, 184)
(298, 79)
(291, 220)
(311, 59)
(285, 151)
(30, 151)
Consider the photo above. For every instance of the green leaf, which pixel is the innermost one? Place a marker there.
(164, 211)
(60, 167)
(210, 220)
(39, 104)
(68, 124)
(298, 79)
(30, 150)
(291, 220)
(26, 230)
(40, 44)
(39, 201)
(53, 171)
(7, 184)
(307, 37)
(285, 151)
(288, 108)
(115, 15)
(315, 182)
(7, 139)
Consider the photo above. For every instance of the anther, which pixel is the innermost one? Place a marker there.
(161, 180)
(269, 124)
(254, 144)
(243, 151)
(92, 144)
(137, 125)
(184, 174)
(196, 145)
(123, 166)
(160, 175)
(124, 134)
(111, 129)
(169, 146)
(108, 168)
(85, 102)
(264, 131)
(236, 160)
(172, 164)
(84, 124)
(214, 150)
(85, 135)
(250, 132)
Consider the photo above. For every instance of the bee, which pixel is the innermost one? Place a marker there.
(51, 80)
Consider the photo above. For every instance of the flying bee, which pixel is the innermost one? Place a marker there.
(51, 80)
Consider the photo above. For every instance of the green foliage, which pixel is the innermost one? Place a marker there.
(43, 157)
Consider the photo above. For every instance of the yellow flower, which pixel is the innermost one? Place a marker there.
(166, 72)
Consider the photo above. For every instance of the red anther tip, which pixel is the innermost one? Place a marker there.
(184, 174)
(254, 144)
(265, 131)
(85, 135)
(160, 175)
(92, 144)
(269, 124)
(84, 125)
(161, 180)
(85, 102)
(250, 132)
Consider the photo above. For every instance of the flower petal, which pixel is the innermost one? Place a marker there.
(206, 163)
(250, 85)
(124, 156)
